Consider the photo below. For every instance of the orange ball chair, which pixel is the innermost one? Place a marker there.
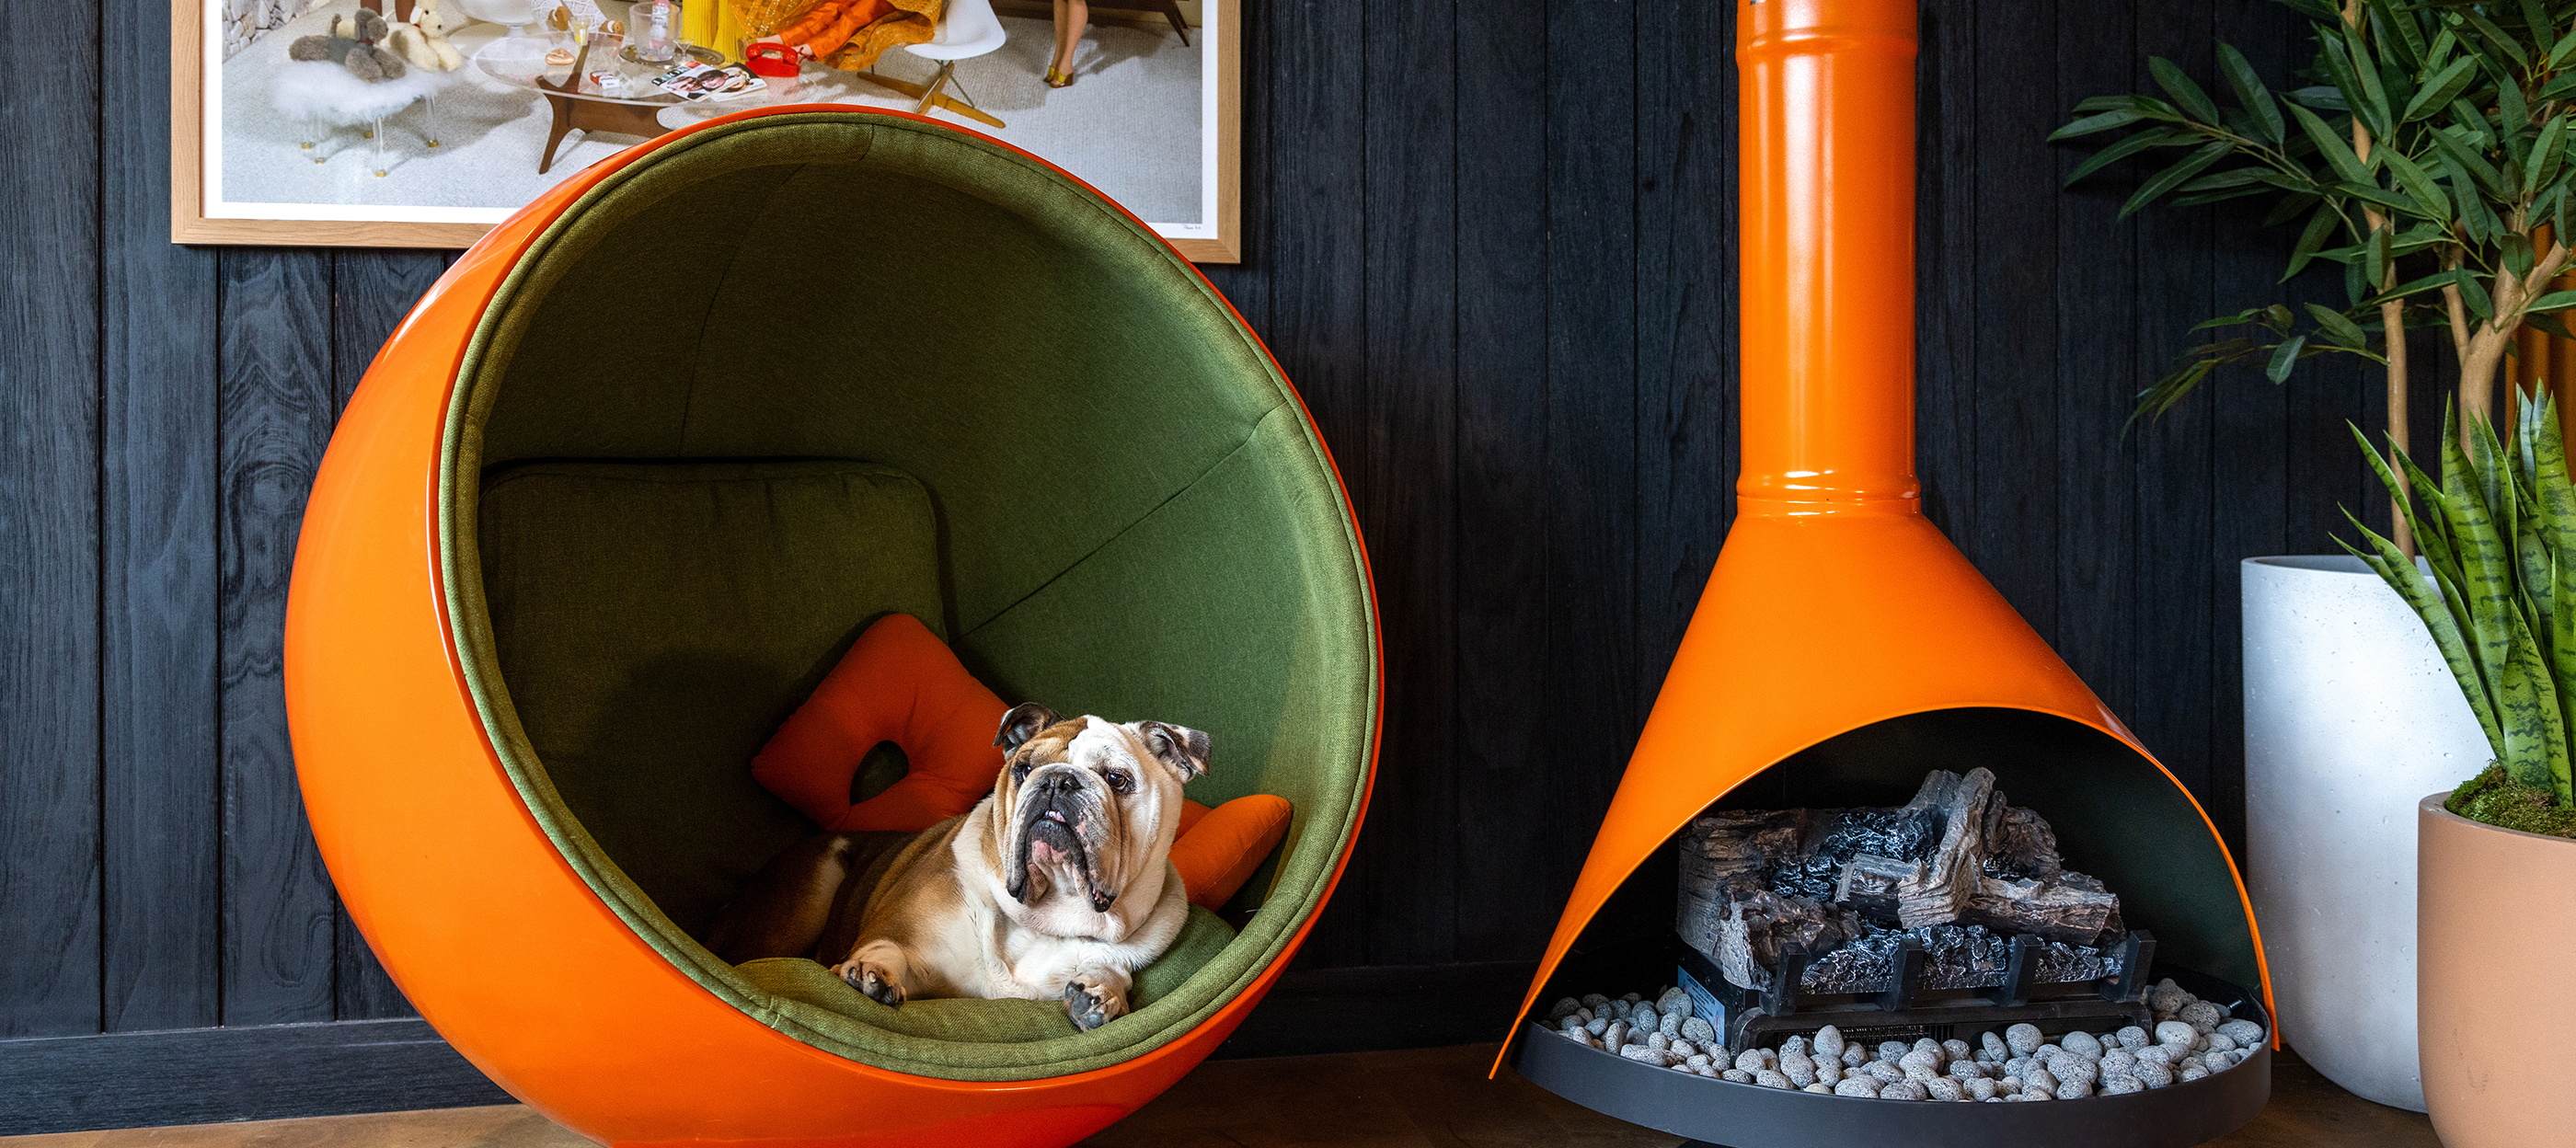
(629, 481)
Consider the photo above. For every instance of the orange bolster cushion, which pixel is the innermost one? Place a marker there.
(1219, 848)
(900, 683)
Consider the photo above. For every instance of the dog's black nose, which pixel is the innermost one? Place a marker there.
(1061, 781)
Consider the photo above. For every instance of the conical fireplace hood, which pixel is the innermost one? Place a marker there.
(1840, 631)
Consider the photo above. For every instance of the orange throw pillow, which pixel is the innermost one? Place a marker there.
(1219, 848)
(898, 683)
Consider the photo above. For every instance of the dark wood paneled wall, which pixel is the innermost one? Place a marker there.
(1492, 243)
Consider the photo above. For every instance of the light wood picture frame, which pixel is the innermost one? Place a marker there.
(361, 209)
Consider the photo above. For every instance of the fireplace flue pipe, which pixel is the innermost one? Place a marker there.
(1835, 604)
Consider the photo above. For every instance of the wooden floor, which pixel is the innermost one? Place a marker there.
(1423, 1098)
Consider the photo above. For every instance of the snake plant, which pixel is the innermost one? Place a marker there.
(2498, 536)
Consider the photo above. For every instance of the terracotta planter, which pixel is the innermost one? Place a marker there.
(2496, 914)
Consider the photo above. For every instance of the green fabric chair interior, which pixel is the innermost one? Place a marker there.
(779, 379)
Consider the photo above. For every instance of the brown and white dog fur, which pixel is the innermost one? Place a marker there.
(1059, 884)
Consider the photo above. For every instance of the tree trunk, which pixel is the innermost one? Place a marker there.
(2484, 354)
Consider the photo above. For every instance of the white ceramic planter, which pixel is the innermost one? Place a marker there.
(2350, 718)
(2498, 912)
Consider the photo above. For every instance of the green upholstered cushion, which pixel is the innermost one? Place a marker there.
(830, 1002)
(658, 622)
(1132, 515)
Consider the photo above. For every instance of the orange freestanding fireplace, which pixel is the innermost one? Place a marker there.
(1843, 647)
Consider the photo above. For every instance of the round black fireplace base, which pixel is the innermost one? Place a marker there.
(1724, 1113)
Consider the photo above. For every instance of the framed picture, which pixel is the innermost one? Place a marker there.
(422, 123)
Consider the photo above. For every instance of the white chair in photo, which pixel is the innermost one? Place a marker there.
(967, 29)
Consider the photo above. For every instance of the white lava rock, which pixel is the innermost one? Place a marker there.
(1645, 1017)
(1685, 1048)
(1594, 1000)
(1927, 1044)
(1856, 1085)
(1672, 1023)
(1854, 1056)
(1698, 1031)
(1696, 1062)
(1830, 1072)
(2155, 1053)
(2221, 1042)
(2074, 1090)
(2020, 1066)
(1967, 1070)
(1753, 1058)
(2132, 1037)
(1575, 1035)
(1957, 1049)
(1980, 1088)
(1563, 1008)
(2202, 1016)
(1769, 1079)
(1819, 1087)
(1829, 1043)
(1919, 1060)
(1903, 1090)
(1993, 1045)
(1674, 1000)
(2167, 996)
(1616, 1036)
(1796, 1063)
(1659, 1042)
(2083, 1044)
(2120, 1084)
(1891, 1050)
(1943, 1088)
(2175, 1032)
(2192, 1071)
(2153, 1074)
(2008, 1085)
(2245, 1033)
(2035, 1094)
(1639, 1052)
(2039, 1080)
(2118, 1060)
(2023, 1039)
(1572, 1026)
(1599, 1025)
(1737, 1075)
(2075, 1068)
(1796, 1044)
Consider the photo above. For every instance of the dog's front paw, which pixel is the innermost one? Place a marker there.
(869, 977)
(1092, 1004)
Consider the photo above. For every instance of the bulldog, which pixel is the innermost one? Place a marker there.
(1058, 884)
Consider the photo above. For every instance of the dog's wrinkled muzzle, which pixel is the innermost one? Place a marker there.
(1061, 828)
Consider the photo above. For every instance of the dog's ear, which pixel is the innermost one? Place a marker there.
(1182, 748)
(1022, 723)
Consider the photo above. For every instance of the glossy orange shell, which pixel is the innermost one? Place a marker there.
(478, 918)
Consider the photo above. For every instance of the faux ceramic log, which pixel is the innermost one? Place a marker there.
(2497, 921)
(2350, 716)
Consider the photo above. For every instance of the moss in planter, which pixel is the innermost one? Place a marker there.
(2495, 799)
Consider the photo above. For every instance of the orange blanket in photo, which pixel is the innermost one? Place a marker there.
(847, 34)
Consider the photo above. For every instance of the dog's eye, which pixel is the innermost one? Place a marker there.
(1020, 772)
(1120, 781)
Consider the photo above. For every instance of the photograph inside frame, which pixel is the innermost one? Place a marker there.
(462, 111)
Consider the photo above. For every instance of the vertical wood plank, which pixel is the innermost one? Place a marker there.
(1686, 292)
(2251, 482)
(1412, 338)
(1502, 568)
(371, 291)
(1945, 267)
(1589, 669)
(277, 405)
(2176, 568)
(2012, 532)
(49, 561)
(2097, 372)
(1319, 307)
(157, 537)
(1246, 285)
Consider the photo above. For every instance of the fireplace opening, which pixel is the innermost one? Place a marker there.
(2080, 879)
